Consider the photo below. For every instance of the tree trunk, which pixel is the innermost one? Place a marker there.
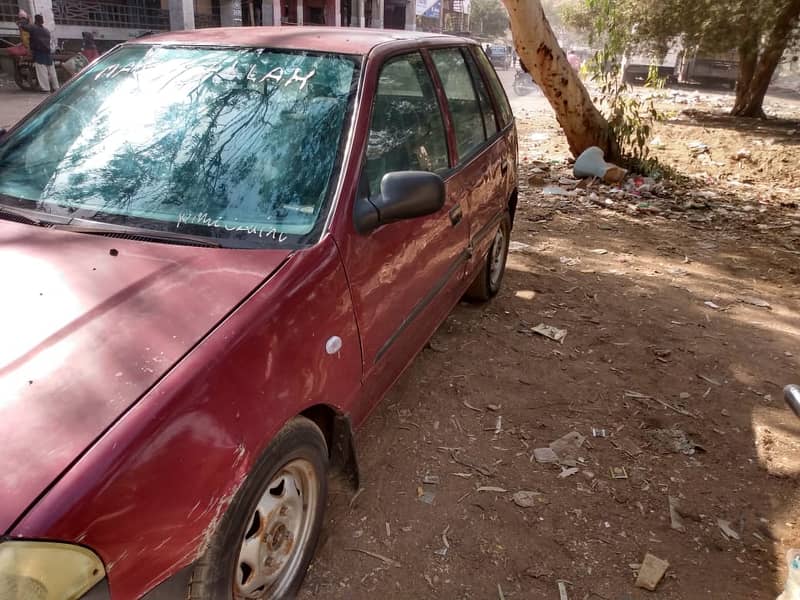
(748, 60)
(538, 48)
(752, 101)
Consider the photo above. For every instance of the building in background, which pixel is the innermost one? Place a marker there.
(113, 21)
(450, 16)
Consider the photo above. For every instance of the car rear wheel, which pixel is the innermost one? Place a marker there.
(266, 539)
(490, 277)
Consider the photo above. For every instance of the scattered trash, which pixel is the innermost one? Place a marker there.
(568, 472)
(727, 530)
(711, 304)
(618, 473)
(742, 154)
(756, 302)
(570, 262)
(426, 493)
(500, 593)
(656, 142)
(567, 448)
(554, 190)
(498, 425)
(791, 589)
(696, 148)
(431, 479)
(521, 247)
(493, 407)
(684, 395)
(675, 520)
(550, 332)
(491, 488)
(599, 251)
(545, 455)
(525, 499)
(599, 433)
(591, 163)
(651, 572)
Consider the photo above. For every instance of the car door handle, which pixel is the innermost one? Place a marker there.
(504, 167)
(455, 215)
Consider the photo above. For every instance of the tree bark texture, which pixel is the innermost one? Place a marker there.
(748, 60)
(538, 48)
(752, 101)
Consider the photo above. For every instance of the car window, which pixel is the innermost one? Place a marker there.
(234, 144)
(487, 110)
(496, 87)
(406, 132)
(464, 108)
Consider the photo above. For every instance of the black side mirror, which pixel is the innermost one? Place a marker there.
(404, 195)
(3, 133)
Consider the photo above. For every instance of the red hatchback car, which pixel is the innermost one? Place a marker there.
(218, 250)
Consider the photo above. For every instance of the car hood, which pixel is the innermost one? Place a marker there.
(89, 324)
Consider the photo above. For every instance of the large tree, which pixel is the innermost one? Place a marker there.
(759, 32)
(538, 49)
(488, 17)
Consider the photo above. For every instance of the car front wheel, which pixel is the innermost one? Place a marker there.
(266, 539)
(487, 283)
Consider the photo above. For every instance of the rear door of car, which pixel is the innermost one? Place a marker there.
(482, 150)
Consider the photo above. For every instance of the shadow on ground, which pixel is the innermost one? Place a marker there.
(487, 391)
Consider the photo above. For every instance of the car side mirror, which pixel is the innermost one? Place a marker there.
(3, 133)
(404, 195)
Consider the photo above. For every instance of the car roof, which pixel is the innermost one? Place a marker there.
(344, 40)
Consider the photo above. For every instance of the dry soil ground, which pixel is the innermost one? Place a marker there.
(670, 348)
(682, 311)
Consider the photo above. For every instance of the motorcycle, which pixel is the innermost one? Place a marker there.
(523, 83)
(17, 60)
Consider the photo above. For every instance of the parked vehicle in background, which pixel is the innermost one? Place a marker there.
(500, 56)
(683, 65)
(721, 70)
(215, 272)
(636, 67)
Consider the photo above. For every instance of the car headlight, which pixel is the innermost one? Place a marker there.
(47, 571)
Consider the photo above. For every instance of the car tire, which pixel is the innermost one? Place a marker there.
(489, 279)
(267, 537)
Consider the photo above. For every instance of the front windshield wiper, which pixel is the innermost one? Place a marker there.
(140, 233)
(31, 217)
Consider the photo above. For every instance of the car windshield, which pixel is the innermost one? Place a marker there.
(240, 145)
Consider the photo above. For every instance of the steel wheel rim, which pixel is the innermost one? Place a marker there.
(497, 258)
(278, 530)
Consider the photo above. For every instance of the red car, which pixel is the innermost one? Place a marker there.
(218, 250)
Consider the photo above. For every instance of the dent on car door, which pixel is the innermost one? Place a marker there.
(482, 154)
(405, 276)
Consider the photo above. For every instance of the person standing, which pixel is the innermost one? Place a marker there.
(89, 47)
(40, 48)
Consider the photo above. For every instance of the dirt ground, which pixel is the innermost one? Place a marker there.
(681, 305)
(682, 313)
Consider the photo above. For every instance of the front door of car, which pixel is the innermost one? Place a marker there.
(405, 276)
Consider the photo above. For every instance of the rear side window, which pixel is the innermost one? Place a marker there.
(489, 121)
(406, 132)
(505, 115)
(461, 98)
